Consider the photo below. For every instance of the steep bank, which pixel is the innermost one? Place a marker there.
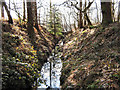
(92, 58)
(21, 61)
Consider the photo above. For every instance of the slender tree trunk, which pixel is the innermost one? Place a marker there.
(80, 17)
(24, 15)
(75, 25)
(2, 11)
(106, 13)
(84, 14)
(51, 21)
(119, 12)
(87, 18)
(97, 13)
(8, 13)
(9, 5)
(39, 17)
(36, 21)
(78, 20)
(113, 10)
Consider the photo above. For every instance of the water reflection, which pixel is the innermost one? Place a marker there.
(56, 66)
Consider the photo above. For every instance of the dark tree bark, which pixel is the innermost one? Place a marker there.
(8, 13)
(9, 4)
(106, 13)
(24, 15)
(35, 15)
(84, 15)
(119, 12)
(83, 11)
(113, 10)
(81, 21)
(2, 11)
(39, 17)
(87, 18)
(30, 29)
(35, 23)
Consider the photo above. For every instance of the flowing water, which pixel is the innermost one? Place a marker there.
(50, 73)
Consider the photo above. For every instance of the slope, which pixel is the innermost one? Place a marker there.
(92, 58)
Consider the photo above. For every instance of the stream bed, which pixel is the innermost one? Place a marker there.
(50, 73)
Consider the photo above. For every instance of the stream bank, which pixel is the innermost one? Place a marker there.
(51, 71)
(92, 59)
(20, 58)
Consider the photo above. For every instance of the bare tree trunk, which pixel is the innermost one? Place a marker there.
(78, 20)
(9, 5)
(81, 21)
(119, 12)
(39, 17)
(87, 18)
(75, 26)
(8, 13)
(97, 13)
(30, 22)
(106, 13)
(36, 21)
(2, 11)
(84, 15)
(113, 10)
(24, 15)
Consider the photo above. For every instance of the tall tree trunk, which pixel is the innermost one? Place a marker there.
(97, 13)
(24, 15)
(113, 10)
(75, 25)
(106, 13)
(2, 11)
(36, 21)
(8, 13)
(30, 29)
(9, 5)
(119, 12)
(84, 14)
(87, 18)
(80, 15)
(39, 17)
(78, 20)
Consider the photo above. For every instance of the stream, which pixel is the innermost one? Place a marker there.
(50, 73)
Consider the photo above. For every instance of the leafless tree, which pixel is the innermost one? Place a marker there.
(119, 12)
(8, 12)
(106, 13)
(84, 11)
(30, 29)
(24, 14)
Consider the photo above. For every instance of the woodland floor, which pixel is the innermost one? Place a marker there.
(21, 61)
(91, 58)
